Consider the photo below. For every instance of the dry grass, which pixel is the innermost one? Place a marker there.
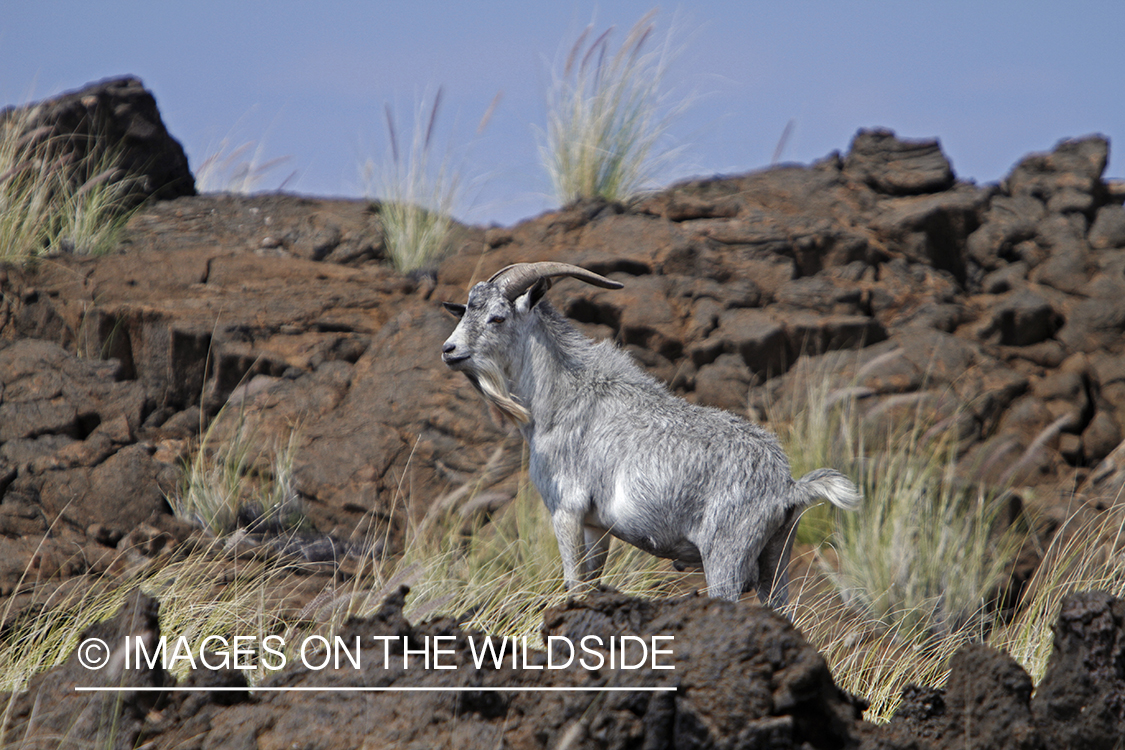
(608, 115)
(417, 191)
(240, 170)
(225, 481)
(50, 199)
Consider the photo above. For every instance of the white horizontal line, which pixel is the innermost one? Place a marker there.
(373, 689)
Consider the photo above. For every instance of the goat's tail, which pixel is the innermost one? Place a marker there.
(830, 485)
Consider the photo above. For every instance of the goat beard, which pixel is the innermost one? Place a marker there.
(493, 386)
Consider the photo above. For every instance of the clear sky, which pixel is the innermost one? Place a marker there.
(309, 81)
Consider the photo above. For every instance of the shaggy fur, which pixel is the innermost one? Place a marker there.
(613, 452)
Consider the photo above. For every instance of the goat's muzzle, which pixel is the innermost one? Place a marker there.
(451, 357)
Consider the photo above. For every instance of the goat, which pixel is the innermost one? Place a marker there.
(613, 452)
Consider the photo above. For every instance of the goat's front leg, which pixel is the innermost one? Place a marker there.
(572, 547)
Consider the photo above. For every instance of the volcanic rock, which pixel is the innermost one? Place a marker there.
(119, 117)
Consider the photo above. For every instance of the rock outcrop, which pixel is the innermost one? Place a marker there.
(114, 127)
(743, 677)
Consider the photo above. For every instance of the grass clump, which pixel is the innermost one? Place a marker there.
(417, 192)
(1086, 554)
(607, 116)
(222, 486)
(57, 193)
(239, 170)
(897, 586)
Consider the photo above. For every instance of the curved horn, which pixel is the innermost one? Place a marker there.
(516, 279)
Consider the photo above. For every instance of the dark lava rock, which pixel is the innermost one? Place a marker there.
(120, 115)
(1081, 700)
(1068, 179)
(985, 705)
(898, 167)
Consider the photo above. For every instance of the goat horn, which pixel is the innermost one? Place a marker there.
(516, 279)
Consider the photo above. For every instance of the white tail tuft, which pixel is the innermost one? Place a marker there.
(830, 485)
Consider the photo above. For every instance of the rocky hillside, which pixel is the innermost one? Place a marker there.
(998, 309)
(743, 678)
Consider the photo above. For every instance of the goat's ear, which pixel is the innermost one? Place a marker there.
(532, 296)
(457, 311)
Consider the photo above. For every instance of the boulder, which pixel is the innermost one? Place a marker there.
(116, 122)
(1108, 230)
(898, 167)
(1067, 179)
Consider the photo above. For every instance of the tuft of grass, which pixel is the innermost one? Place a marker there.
(899, 585)
(417, 192)
(239, 170)
(51, 199)
(221, 483)
(607, 116)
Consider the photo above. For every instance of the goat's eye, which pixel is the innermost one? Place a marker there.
(497, 319)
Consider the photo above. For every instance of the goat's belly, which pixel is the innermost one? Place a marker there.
(677, 549)
(654, 538)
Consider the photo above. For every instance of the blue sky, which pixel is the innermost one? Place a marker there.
(309, 81)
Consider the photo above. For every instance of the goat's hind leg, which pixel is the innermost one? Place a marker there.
(773, 563)
(729, 572)
(597, 551)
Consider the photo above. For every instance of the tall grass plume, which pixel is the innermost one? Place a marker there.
(608, 115)
(418, 187)
(238, 169)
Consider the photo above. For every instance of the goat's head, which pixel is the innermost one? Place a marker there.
(492, 322)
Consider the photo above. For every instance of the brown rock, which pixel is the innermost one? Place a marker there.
(723, 383)
(1108, 230)
(1101, 436)
(898, 167)
(1021, 319)
(1070, 175)
(933, 229)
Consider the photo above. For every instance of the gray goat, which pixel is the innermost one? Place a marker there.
(613, 452)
